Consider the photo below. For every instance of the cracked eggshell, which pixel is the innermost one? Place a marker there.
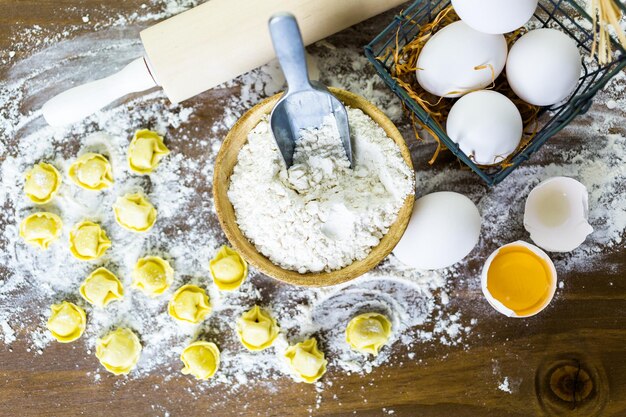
(444, 228)
(495, 16)
(448, 65)
(486, 125)
(556, 214)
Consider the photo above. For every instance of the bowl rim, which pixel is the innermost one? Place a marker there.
(224, 209)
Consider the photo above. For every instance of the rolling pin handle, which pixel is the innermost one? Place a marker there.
(79, 102)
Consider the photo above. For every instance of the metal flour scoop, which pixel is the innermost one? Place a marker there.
(306, 103)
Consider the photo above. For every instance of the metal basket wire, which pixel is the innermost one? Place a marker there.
(566, 15)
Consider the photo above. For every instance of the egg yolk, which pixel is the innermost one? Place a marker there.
(519, 279)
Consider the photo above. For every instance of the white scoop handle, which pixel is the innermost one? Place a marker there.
(79, 102)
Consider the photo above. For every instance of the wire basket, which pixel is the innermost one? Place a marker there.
(567, 15)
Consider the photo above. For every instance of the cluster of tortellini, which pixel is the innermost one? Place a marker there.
(92, 171)
(119, 350)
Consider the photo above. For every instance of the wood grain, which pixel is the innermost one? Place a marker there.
(226, 161)
(584, 324)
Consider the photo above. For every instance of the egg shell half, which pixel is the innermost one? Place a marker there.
(486, 125)
(444, 228)
(495, 16)
(543, 67)
(449, 64)
(497, 304)
(556, 214)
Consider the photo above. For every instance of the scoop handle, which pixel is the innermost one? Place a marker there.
(79, 102)
(287, 41)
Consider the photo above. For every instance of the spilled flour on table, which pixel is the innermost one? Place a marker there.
(420, 304)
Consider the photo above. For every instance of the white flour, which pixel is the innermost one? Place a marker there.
(319, 215)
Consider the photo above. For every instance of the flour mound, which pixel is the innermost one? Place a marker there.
(319, 215)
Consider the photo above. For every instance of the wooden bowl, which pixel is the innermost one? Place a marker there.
(226, 160)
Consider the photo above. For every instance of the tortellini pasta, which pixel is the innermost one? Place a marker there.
(306, 361)
(88, 241)
(190, 304)
(67, 322)
(152, 275)
(146, 151)
(42, 182)
(41, 229)
(91, 171)
(134, 212)
(368, 332)
(101, 287)
(119, 351)
(201, 359)
(228, 269)
(257, 330)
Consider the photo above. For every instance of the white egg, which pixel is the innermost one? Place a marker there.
(443, 229)
(543, 67)
(458, 59)
(551, 271)
(486, 125)
(495, 16)
(556, 214)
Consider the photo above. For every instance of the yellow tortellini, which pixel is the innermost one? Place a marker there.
(201, 359)
(67, 322)
(88, 241)
(134, 212)
(42, 182)
(190, 304)
(119, 351)
(92, 171)
(41, 229)
(306, 361)
(368, 332)
(146, 151)
(228, 269)
(101, 287)
(152, 275)
(257, 330)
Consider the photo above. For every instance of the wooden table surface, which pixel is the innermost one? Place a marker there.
(582, 333)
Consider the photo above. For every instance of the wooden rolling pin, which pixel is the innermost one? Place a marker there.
(206, 46)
